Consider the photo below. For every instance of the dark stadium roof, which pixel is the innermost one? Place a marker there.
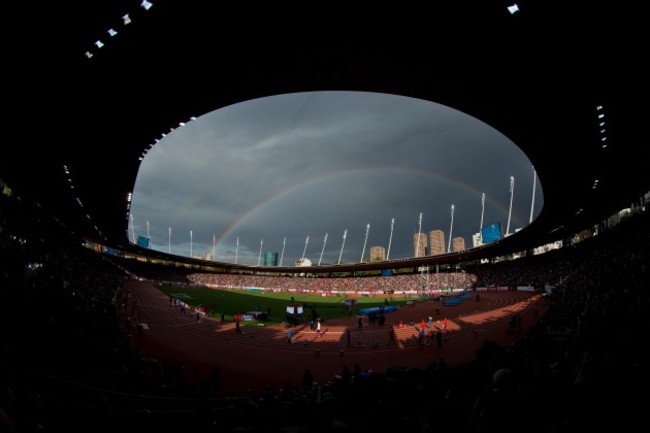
(539, 76)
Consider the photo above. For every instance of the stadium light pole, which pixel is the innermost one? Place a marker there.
(363, 251)
(169, 241)
(304, 251)
(237, 250)
(191, 251)
(417, 243)
(214, 247)
(451, 229)
(259, 257)
(132, 230)
(480, 230)
(532, 202)
(512, 188)
(284, 243)
(345, 234)
(323, 250)
(148, 235)
(390, 238)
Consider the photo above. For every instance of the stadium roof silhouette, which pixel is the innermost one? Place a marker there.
(81, 116)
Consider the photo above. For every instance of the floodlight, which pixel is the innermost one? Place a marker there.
(146, 5)
(99, 43)
(89, 54)
(514, 8)
(112, 32)
(126, 19)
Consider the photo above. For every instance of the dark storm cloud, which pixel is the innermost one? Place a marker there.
(299, 165)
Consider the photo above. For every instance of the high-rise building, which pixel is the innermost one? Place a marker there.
(377, 253)
(458, 244)
(419, 247)
(437, 238)
(270, 258)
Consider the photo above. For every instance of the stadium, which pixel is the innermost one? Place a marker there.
(95, 86)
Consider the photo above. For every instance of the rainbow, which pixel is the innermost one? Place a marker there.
(260, 207)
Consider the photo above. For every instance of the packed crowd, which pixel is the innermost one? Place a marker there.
(372, 285)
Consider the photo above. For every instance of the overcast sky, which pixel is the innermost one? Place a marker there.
(310, 164)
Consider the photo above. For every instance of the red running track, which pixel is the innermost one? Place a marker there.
(261, 356)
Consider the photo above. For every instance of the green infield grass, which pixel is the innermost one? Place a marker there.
(231, 302)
